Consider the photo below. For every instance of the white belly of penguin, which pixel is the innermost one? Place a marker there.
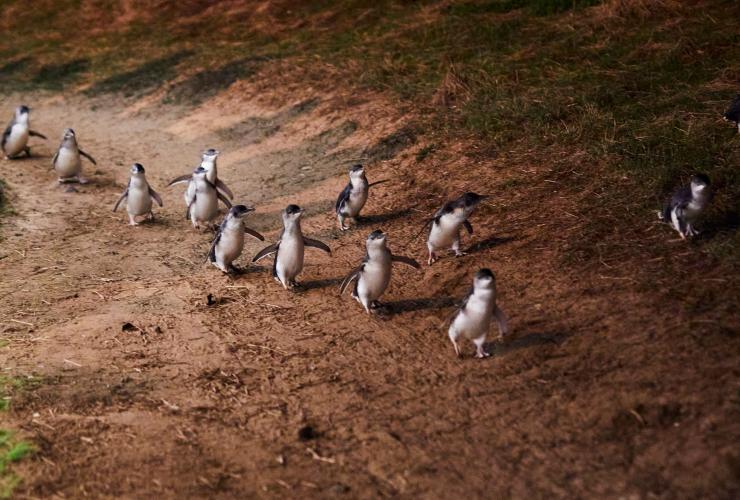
(374, 280)
(17, 140)
(230, 246)
(354, 203)
(205, 207)
(475, 320)
(290, 258)
(68, 163)
(444, 234)
(138, 201)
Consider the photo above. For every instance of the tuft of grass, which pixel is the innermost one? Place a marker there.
(11, 451)
(10, 385)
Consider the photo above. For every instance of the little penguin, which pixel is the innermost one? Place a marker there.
(208, 162)
(228, 244)
(374, 274)
(202, 198)
(16, 134)
(354, 195)
(289, 248)
(447, 222)
(686, 204)
(67, 162)
(138, 196)
(733, 112)
(474, 316)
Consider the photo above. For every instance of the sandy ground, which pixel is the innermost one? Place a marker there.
(599, 391)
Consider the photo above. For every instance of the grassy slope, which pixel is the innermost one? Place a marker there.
(636, 90)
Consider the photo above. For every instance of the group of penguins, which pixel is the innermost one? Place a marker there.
(371, 278)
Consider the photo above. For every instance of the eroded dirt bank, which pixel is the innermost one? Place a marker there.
(603, 387)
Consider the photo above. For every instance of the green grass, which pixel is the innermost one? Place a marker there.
(11, 451)
(12, 385)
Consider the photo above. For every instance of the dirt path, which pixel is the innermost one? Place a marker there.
(148, 391)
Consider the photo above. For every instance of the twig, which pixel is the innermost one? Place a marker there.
(73, 363)
(21, 322)
(316, 456)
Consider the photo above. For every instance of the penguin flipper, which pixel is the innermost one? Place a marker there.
(405, 260)
(343, 197)
(355, 273)
(502, 320)
(212, 252)
(223, 198)
(254, 233)
(468, 226)
(54, 159)
(123, 196)
(6, 135)
(33, 133)
(268, 250)
(220, 185)
(156, 196)
(187, 212)
(310, 242)
(377, 182)
(88, 157)
(182, 178)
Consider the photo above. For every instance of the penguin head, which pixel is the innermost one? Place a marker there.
(239, 211)
(21, 113)
(699, 182)
(292, 213)
(484, 278)
(68, 133)
(357, 171)
(211, 154)
(467, 202)
(199, 172)
(137, 169)
(376, 238)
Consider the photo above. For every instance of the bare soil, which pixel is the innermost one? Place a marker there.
(605, 387)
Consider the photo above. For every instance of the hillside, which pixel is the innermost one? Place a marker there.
(134, 369)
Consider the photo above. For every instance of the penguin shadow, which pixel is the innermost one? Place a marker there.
(501, 348)
(314, 284)
(366, 220)
(488, 243)
(401, 306)
(724, 222)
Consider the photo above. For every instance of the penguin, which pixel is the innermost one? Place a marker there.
(686, 204)
(208, 162)
(733, 112)
(228, 244)
(67, 162)
(477, 310)
(289, 248)
(446, 223)
(138, 196)
(374, 274)
(353, 196)
(201, 198)
(16, 134)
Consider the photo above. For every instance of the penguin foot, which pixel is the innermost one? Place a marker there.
(83, 180)
(457, 348)
(150, 216)
(458, 253)
(482, 354)
(432, 258)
